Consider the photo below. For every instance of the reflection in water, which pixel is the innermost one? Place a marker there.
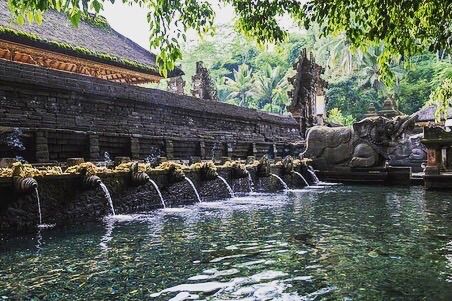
(336, 242)
(38, 241)
(109, 226)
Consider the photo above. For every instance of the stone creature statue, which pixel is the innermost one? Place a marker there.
(410, 152)
(367, 144)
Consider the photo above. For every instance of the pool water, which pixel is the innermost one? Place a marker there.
(323, 243)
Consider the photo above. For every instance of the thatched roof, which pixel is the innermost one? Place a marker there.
(93, 39)
(428, 114)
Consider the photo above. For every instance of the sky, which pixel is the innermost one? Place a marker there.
(131, 21)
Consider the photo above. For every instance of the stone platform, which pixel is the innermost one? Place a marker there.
(382, 176)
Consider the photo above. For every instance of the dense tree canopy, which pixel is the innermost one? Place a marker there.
(402, 27)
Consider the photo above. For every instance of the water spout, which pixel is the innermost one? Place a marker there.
(158, 191)
(108, 197)
(301, 176)
(281, 180)
(194, 188)
(312, 173)
(231, 192)
(250, 181)
(39, 205)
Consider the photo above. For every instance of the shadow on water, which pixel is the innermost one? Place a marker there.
(333, 242)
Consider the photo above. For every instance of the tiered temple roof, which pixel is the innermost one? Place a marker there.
(93, 48)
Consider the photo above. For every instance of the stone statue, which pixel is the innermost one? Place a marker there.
(203, 86)
(307, 93)
(409, 152)
(368, 143)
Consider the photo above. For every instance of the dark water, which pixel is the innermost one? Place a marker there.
(331, 242)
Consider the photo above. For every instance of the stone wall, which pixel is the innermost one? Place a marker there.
(67, 115)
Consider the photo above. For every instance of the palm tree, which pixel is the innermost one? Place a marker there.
(240, 87)
(341, 56)
(371, 72)
(271, 88)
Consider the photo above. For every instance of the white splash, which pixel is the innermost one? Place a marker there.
(314, 176)
(250, 181)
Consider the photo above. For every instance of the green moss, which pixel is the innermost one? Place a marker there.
(81, 50)
(95, 20)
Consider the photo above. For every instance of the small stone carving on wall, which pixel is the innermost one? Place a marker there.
(176, 85)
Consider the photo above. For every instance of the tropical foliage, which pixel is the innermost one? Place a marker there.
(256, 77)
(335, 116)
(404, 27)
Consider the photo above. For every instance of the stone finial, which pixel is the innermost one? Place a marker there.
(176, 85)
(203, 86)
(389, 110)
(372, 111)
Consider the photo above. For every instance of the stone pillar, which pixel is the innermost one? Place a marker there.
(42, 147)
(94, 149)
(275, 151)
(135, 148)
(253, 149)
(169, 149)
(202, 149)
(229, 149)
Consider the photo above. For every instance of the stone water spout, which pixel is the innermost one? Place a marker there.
(238, 170)
(25, 185)
(93, 182)
(263, 168)
(207, 171)
(174, 174)
(141, 178)
(28, 185)
(287, 167)
(138, 177)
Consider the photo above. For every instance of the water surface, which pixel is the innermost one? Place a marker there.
(327, 242)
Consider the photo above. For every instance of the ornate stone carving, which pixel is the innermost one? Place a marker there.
(369, 143)
(203, 86)
(308, 88)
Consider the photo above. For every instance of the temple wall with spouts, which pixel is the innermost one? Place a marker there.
(65, 200)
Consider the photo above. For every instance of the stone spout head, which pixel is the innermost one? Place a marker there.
(263, 169)
(174, 174)
(287, 165)
(91, 181)
(238, 170)
(25, 185)
(137, 177)
(207, 171)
